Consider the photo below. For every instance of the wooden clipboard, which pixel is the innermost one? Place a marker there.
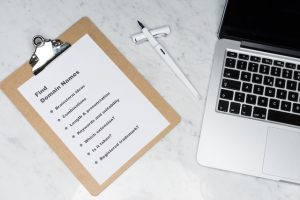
(23, 73)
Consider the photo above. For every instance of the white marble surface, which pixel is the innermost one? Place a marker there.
(29, 168)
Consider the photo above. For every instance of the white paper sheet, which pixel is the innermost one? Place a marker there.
(94, 108)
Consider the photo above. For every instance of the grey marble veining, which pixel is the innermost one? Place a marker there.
(29, 168)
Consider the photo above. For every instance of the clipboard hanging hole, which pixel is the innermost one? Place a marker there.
(38, 41)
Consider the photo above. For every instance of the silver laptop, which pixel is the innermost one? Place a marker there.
(251, 123)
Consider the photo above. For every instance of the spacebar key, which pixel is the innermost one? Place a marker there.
(283, 117)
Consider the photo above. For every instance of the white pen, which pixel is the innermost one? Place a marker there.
(169, 61)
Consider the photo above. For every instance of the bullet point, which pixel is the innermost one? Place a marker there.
(88, 153)
(66, 128)
(51, 111)
(73, 136)
(96, 162)
(80, 145)
(58, 120)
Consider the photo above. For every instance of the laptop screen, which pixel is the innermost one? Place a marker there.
(270, 22)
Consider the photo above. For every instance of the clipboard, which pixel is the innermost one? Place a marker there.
(23, 73)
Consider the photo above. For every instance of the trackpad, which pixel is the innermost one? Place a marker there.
(282, 155)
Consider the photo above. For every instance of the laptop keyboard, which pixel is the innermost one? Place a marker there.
(260, 88)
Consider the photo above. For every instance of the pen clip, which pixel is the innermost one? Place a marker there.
(46, 50)
(157, 33)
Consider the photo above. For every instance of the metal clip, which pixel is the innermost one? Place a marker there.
(158, 32)
(46, 51)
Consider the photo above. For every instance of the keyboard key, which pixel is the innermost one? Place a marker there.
(270, 92)
(268, 80)
(286, 106)
(255, 58)
(247, 87)
(241, 64)
(297, 75)
(290, 65)
(246, 110)
(258, 89)
(296, 108)
(243, 56)
(230, 62)
(274, 103)
(291, 85)
(293, 96)
(234, 108)
(299, 86)
(245, 76)
(251, 99)
(262, 101)
(298, 67)
(226, 94)
(231, 73)
(287, 73)
(264, 69)
(223, 105)
(267, 61)
(257, 78)
(231, 84)
(259, 112)
(231, 54)
(281, 94)
(252, 67)
(279, 82)
(275, 71)
(240, 97)
(278, 63)
(284, 117)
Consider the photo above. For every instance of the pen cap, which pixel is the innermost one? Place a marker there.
(158, 32)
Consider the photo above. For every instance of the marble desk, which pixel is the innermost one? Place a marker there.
(28, 167)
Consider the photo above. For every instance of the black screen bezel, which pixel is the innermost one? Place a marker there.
(223, 34)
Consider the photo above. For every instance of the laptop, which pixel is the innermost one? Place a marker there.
(251, 123)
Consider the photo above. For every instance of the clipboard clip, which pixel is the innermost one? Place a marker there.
(46, 50)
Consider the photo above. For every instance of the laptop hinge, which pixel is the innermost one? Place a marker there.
(270, 49)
